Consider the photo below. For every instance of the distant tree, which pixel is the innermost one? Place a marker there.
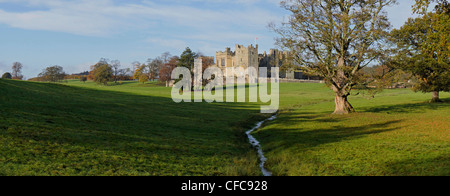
(102, 73)
(335, 40)
(139, 71)
(187, 59)
(376, 78)
(83, 79)
(123, 74)
(153, 66)
(7, 75)
(17, 70)
(115, 64)
(423, 48)
(206, 63)
(165, 73)
(52, 74)
(165, 57)
(104, 61)
(143, 78)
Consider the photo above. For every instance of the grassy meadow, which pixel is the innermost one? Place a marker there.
(80, 128)
(129, 129)
(396, 133)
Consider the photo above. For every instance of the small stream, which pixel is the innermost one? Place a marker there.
(255, 143)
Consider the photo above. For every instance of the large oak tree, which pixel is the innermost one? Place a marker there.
(335, 39)
(52, 74)
(102, 72)
(165, 73)
(424, 50)
(423, 47)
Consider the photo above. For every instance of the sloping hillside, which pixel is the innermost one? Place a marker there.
(54, 129)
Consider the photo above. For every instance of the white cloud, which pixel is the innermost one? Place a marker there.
(169, 43)
(92, 18)
(104, 17)
(59, 21)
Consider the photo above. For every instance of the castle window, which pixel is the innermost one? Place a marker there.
(223, 62)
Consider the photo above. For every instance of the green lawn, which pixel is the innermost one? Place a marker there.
(80, 128)
(397, 133)
(131, 129)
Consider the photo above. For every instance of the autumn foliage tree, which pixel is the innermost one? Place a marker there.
(17, 71)
(206, 63)
(102, 73)
(153, 66)
(165, 72)
(123, 74)
(140, 73)
(335, 39)
(421, 6)
(423, 48)
(52, 74)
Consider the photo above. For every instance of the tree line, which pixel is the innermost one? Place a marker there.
(106, 71)
(159, 68)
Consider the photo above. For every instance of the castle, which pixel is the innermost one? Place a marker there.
(246, 57)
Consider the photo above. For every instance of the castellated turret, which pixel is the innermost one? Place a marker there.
(242, 57)
(246, 56)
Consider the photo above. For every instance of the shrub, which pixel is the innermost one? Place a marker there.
(7, 75)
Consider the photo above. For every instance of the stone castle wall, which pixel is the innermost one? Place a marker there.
(249, 57)
(242, 57)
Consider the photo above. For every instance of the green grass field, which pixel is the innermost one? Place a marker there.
(136, 129)
(132, 129)
(396, 133)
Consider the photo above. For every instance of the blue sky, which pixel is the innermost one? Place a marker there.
(77, 33)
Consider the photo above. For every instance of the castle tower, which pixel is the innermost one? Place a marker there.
(225, 59)
(246, 56)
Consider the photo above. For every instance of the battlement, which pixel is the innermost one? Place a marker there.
(241, 57)
(226, 52)
(242, 47)
(248, 56)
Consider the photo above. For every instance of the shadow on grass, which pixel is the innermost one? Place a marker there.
(409, 108)
(79, 129)
(299, 148)
(438, 166)
(309, 132)
(306, 139)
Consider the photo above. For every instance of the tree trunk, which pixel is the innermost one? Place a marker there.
(342, 105)
(435, 97)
